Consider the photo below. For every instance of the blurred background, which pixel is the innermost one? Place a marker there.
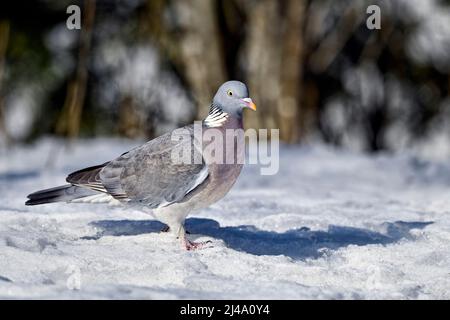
(140, 68)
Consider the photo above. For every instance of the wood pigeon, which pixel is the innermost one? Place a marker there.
(148, 176)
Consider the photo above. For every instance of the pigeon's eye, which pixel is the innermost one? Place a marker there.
(230, 93)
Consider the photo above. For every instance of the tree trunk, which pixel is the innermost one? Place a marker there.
(274, 60)
(201, 55)
(262, 61)
(69, 122)
(290, 113)
(4, 38)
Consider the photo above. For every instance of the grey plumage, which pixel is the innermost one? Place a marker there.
(147, 177)
(63, 193)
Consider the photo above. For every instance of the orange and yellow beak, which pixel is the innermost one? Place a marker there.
(249, 103)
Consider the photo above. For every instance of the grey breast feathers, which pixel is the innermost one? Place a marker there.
(146, 174)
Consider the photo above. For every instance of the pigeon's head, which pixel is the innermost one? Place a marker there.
(232, 97)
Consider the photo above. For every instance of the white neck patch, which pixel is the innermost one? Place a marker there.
(216, 118)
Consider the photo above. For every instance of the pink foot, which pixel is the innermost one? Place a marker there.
(190, 245)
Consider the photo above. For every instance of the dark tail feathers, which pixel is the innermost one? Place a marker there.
(58, 194)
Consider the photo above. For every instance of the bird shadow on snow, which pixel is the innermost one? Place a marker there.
(18, 175)
(298, 243)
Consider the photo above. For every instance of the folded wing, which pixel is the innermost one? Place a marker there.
(147, 174)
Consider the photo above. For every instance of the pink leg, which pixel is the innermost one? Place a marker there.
(187, 244)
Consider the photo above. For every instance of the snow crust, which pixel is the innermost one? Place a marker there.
(331, 224)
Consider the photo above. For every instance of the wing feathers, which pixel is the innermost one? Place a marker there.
(146, 174)
(88, 178)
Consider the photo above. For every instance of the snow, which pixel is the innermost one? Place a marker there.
(332, 224)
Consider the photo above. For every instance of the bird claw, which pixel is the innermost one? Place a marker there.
(191, 245)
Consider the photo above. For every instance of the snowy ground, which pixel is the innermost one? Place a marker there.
(331, 224)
